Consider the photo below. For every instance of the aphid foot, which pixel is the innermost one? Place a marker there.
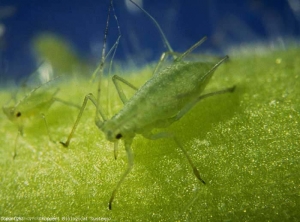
(64, 144)
(110, 201)
(197, 174)
(232, 89)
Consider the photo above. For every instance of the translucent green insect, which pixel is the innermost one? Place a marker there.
(34, 103)
(162, 100)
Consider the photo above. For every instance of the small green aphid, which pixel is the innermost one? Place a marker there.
(35, 103)
(162, 100)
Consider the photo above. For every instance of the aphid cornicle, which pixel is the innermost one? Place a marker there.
(162, 100)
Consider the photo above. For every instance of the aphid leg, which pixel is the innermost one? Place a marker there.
(46, 125)
(15, 149)
(21, 129)
(124, 99)
(170, 51)
(116, 79)
(98, 122)
(127, 171)
(90, 96)
(55, 99)
(116, 148)
(119, 89)
(163, 36)
(193, 103)
(196, 172)
(197, 57)
(192, 48)
(177, 56)
(162, 135)
(162, 59)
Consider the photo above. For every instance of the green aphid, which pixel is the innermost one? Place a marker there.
(35, 103)
(162, 100)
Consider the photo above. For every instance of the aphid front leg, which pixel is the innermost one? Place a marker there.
(128, 149)
(162, 135)
(119, 89)
(116, 79)
(98, 122)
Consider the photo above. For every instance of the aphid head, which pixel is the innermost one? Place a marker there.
(11, 113)
(112, 131)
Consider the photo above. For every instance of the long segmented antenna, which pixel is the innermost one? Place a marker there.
(115, 46)
(101, 67)
(112, 50)
(166, 42)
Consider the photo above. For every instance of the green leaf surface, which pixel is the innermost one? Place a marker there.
(244, 144)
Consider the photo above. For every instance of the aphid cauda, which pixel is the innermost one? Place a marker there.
(162, 100)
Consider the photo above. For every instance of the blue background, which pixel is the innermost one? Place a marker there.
(225, 22)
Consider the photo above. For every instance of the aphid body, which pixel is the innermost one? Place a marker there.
(162, 100)
(159, 101)
(31, 105)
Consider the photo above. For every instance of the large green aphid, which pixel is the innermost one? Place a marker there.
(162, 100)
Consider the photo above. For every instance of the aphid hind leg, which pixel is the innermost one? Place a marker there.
(162, 59)
(192, 48)
(128, 149)
(116, 79)
(177, 57)
(190, 105)
(162, 135)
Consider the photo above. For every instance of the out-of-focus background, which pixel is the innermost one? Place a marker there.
(72, 31)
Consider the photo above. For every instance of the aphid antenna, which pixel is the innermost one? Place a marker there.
(101, 66)
(115, 46)
(103, 57)
(112, 51)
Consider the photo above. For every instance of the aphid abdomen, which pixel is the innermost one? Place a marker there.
(162, 97)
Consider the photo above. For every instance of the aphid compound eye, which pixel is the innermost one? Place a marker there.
(119, 136)
(18, 114)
